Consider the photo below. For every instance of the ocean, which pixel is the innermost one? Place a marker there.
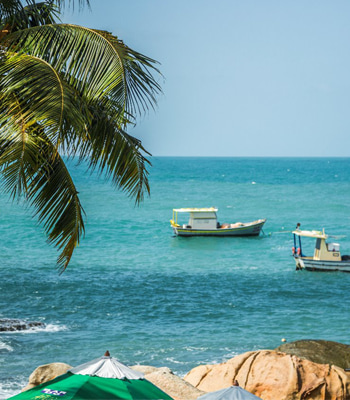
(151, 298)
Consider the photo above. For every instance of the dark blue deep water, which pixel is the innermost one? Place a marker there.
(152, 298)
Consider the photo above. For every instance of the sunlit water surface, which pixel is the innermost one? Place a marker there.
(152, 298)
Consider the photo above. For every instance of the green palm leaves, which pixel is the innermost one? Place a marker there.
(72, 91)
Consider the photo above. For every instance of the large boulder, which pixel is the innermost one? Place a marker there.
(45, 373)
(274, 375)
(319, 351)
(170, 383)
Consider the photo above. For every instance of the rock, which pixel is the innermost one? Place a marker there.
(45, 373)
(170, 383)
(319, 351)
(148, 369)
(274, 375)
(12, 325)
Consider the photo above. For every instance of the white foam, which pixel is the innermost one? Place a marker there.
(230, 354)
(37, 329)
(172, 360)
(46, 328)
(193, 348)
(9, 389)
(4, 346)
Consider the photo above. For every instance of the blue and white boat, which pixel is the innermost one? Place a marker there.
(326, 256)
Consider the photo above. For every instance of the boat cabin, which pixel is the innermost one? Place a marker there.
(323, 251)
(199, 218)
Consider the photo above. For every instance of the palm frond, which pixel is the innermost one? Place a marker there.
(116, 154)
(71, 3)
(15, 10)
(32, 92)
(15, 16)
(31, 167)
(95, 63)
(140, 85)
(55, 197)
(8, 8)
(37, 111)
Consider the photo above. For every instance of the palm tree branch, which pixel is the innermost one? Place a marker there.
(45, 97)
(141, 87)
(14, 16)
(96, 63)
(55, 197)
(31, 166)
(118, 155)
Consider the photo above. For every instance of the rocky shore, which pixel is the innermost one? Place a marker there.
(306, 369)
(15, 325)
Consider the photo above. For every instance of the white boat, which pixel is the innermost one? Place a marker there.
(326, 256)
(203, 222)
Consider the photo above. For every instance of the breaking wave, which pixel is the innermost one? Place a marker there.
(8, 325)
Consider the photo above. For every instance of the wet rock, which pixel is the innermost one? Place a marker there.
(12, 325)
(319, 351)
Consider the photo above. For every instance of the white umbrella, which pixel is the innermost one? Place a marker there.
(231, 393)
(106, 367)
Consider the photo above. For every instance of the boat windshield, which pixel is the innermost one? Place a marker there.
(304, 247)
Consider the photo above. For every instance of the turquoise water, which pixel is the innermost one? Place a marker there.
(152, 298)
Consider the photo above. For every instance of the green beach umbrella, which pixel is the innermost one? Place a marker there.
(104, 379)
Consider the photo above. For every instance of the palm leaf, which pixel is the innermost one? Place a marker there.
(15, 16)
(30, 134)
(31, 167)
(55, 197)
(118, 155)
(31, 87)
(81, 3)
(8, 9)
(43, 98)
(140, 86)
(96, 64)
(15, 10)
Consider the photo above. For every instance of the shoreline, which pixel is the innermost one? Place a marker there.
(268, 366)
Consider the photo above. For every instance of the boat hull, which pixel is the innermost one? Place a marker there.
(318, 265)
(251, 229)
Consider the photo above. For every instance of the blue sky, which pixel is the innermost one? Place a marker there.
(241, 77)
